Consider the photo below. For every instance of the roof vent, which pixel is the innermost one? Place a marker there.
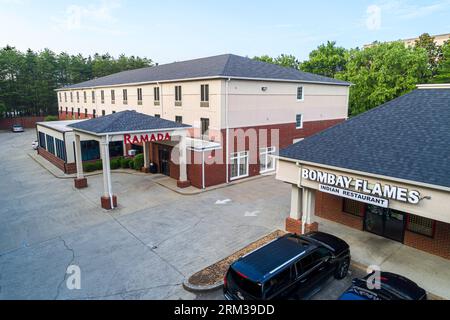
(434, 86)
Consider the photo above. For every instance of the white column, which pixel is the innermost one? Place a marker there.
(183, 157)
(78, 157)
(309, 205)
(106, 168)
(146, 154)
(296, 202)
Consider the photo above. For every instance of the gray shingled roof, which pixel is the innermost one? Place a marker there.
(126, 121)
(406, 138)
(223, 66)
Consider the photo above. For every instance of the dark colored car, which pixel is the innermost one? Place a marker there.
(291, 267)
(390, 287)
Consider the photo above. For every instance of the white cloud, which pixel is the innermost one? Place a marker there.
(403, 9)
(373, 20)
(99, 17)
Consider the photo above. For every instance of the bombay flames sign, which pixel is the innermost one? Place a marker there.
(360, 190)
(151, 137)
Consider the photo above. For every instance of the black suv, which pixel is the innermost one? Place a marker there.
(291, 267)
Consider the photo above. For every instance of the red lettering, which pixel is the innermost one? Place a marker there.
(153, 139)
(144, 138)
(167, 137)
(135, 140)
(127, 138)
(160, 137)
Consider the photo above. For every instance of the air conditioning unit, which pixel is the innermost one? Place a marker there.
(132, 153)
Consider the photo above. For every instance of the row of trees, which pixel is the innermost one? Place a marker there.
(28, 79)
(379, 73)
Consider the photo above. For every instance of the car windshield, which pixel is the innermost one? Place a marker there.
(252, 288)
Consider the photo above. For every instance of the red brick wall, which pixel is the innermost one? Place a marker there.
(52, 158)
(331, 208)
(26, 122)
(438, 245)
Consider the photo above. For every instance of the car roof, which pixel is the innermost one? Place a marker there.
(396, 285)
(267, 261)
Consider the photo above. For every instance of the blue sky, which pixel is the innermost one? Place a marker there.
(171, 30)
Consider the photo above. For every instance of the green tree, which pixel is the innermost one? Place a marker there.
(326, 60)
(284, 60)
(434, 51)
(382, 73)
(443, 70)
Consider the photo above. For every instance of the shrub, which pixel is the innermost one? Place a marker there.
(138, 162)
(51, 118)
(125, 163)
(89, 167)
(115, 164)
(98, 165)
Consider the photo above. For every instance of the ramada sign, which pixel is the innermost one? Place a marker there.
(150, 137)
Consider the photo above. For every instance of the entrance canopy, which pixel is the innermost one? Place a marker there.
(129, 126)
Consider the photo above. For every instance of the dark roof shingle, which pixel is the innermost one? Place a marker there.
(223, 66)
(126, 121)
(406, 138)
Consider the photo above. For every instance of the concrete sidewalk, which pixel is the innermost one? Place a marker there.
(429, 271)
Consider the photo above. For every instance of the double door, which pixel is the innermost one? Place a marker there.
(384, 222)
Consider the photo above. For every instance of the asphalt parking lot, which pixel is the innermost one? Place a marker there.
(143, 250)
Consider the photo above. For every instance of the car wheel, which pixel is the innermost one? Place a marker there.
(342, 269)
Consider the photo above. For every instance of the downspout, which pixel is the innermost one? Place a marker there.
(203, 169)
(227, 125)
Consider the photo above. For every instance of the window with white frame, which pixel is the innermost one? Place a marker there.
(239, 165)
(156, 95)
(102, 96)
(78, 97)
(125, 96)
(139, 96)
(300, 93)
(266, 160)
(93, 96)
(178, 96)
(299, 121)
(113, 96)
(85, 96)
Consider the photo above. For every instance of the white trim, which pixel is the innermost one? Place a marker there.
(238, 156)
(130, 132)
(373, 175)
(203, 78)
(434, 86)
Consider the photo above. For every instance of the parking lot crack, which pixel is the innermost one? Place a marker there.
(58, 290)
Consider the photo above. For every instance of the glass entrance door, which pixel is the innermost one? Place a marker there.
(164, 160)
(385, 222)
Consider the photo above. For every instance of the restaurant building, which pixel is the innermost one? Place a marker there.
(386, 171)
(239, 113)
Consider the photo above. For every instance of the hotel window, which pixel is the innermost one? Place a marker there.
(178, 96)
(94, 113)
(60, 97)
(205, 128)
(267, 162)
(156, 96)
(85, 96)
(60, 110)
(50, 144)
(179, 119)
(113, 112)
(60, 149)
(125, 96)
(102, 96)
(299, 121)
(79, 112)
(239, 165)
(300, 94)
(42, 140)
(78, 97)
(113, 97)
(93, 96)
(421, 225)
(71, 96)
(204, 95)
(85, 113)
(157, 116)
(353, 207)
(103, 113)
(65, 96)
(67, 111)
(139, 96)
(72, 112)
